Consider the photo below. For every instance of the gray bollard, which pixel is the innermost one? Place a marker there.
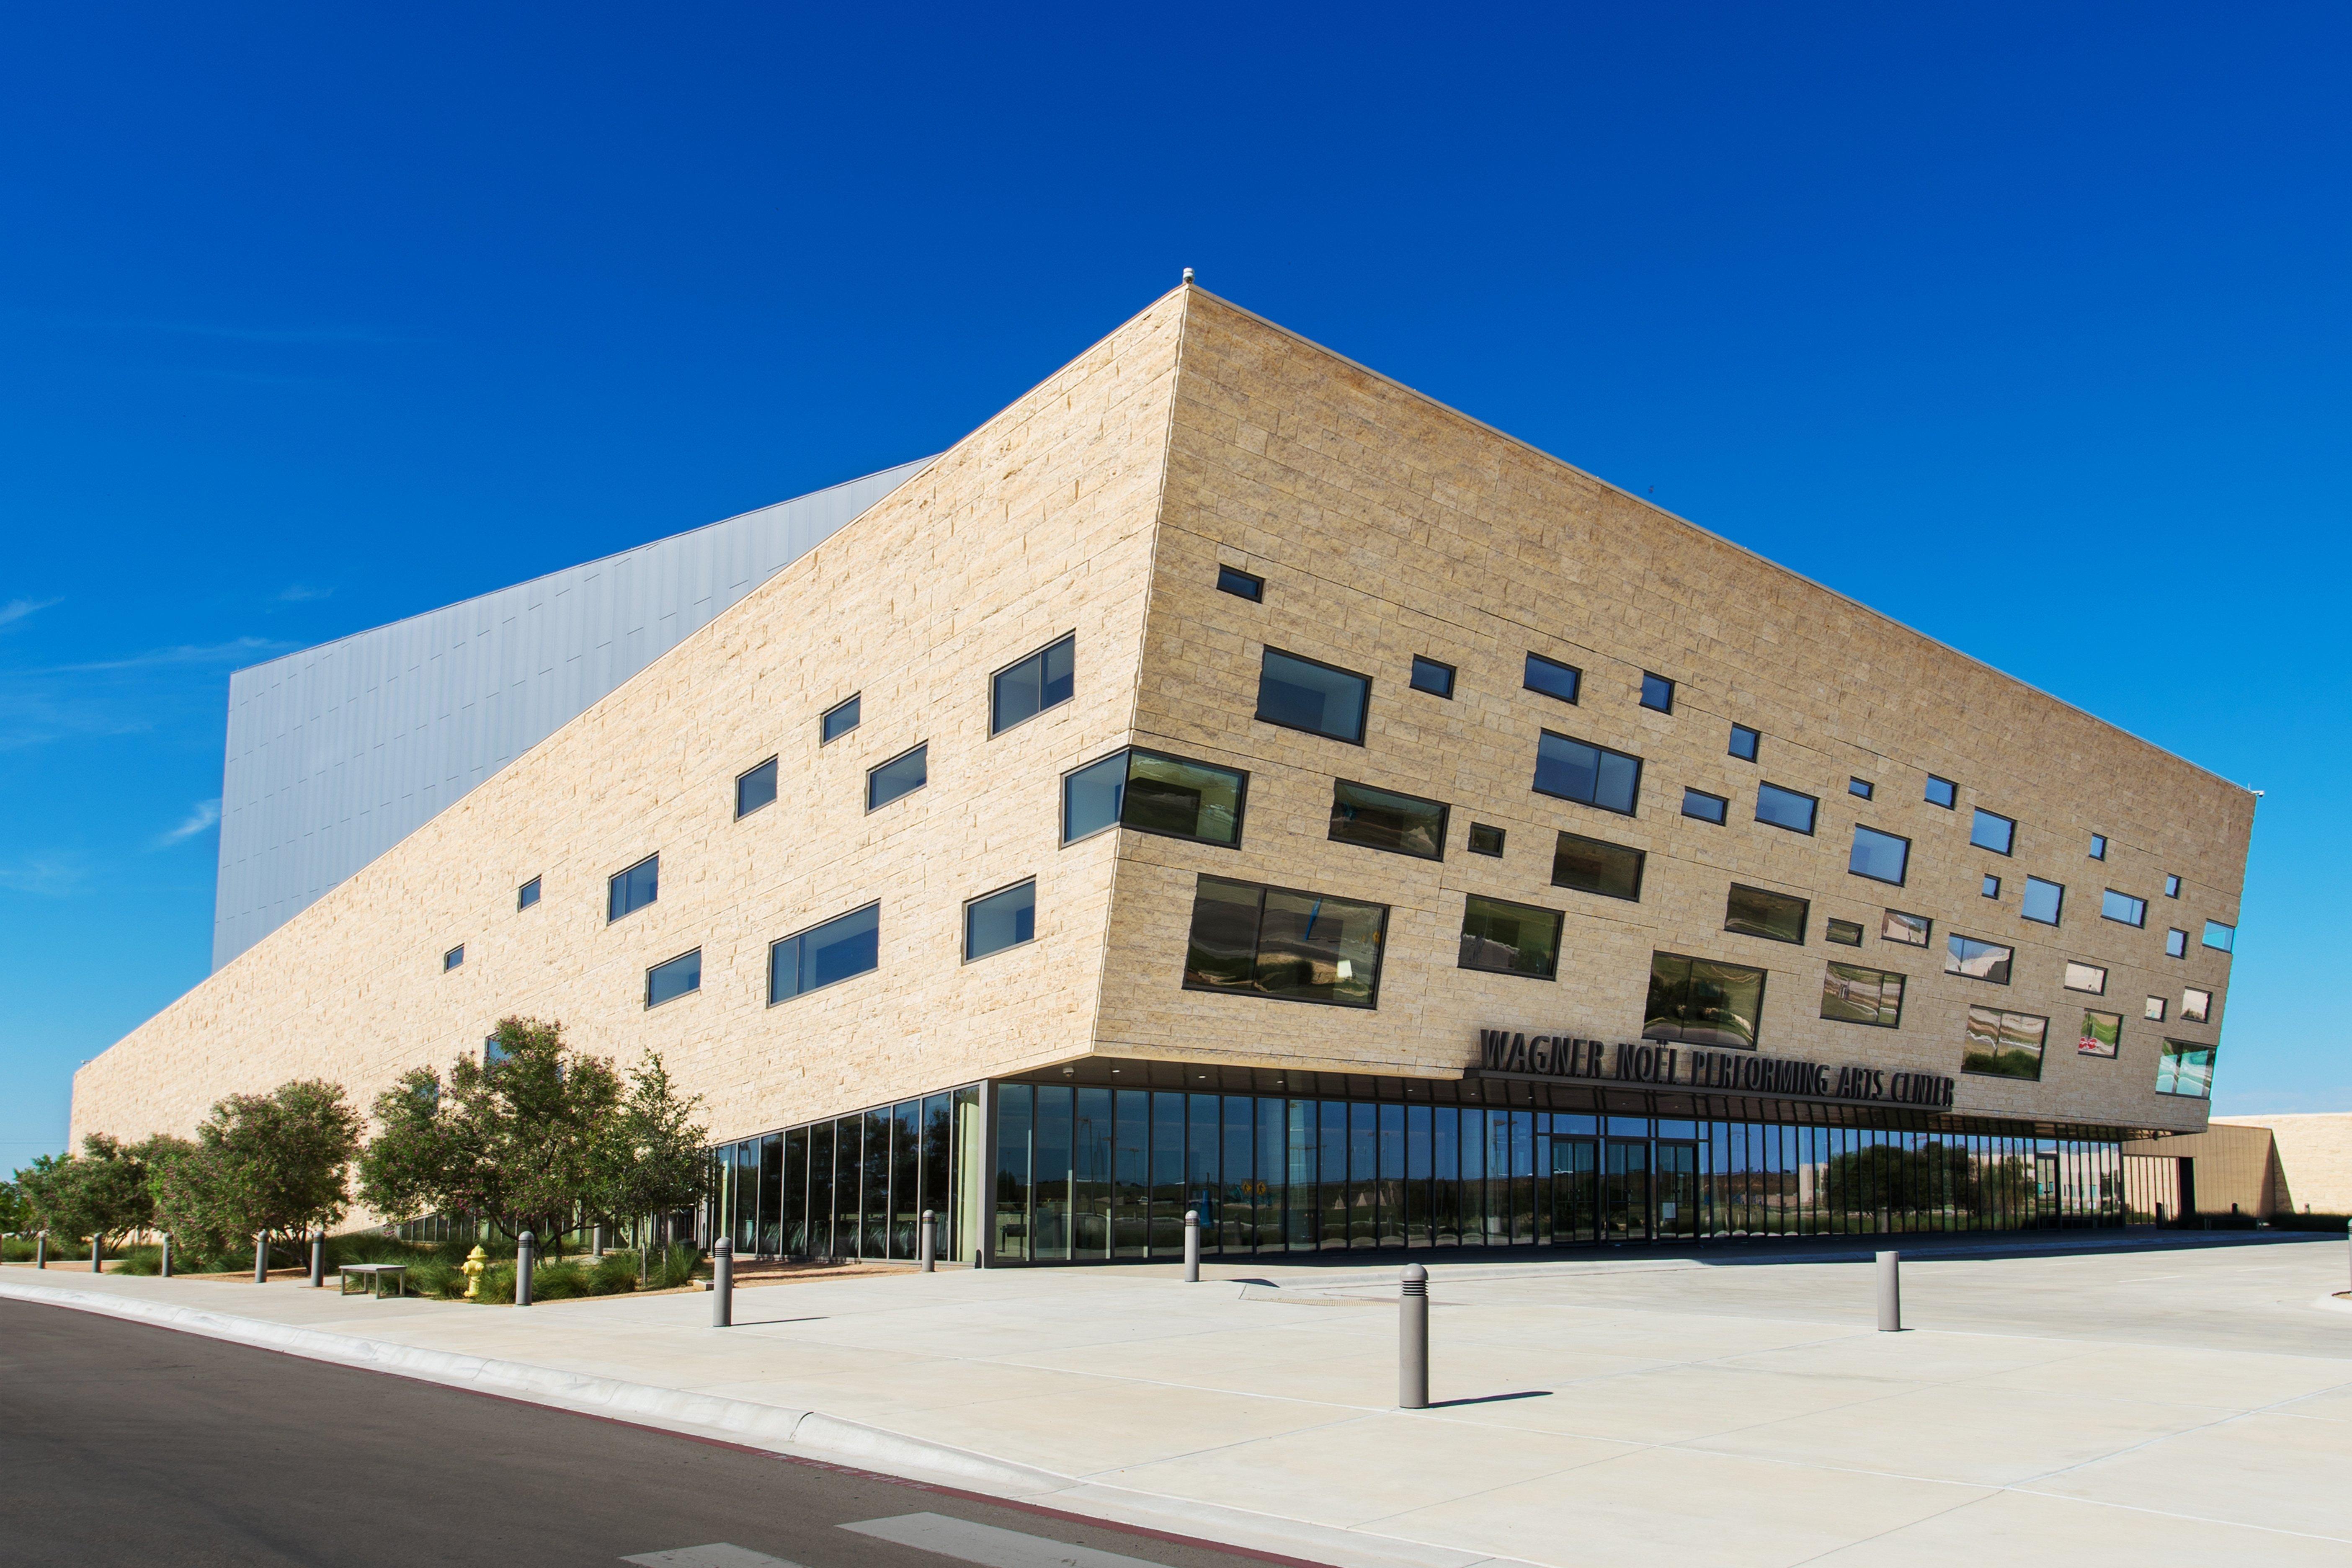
(261, 1258)
(1890, 1292)
(319, 1260)
(722, 1284)
(526, 1259)
(1193, 1246)
(96, 1267)
(1412, 1340)
(2348, 1233)
(929, 1242)
(41, 1250)
(163, 1269)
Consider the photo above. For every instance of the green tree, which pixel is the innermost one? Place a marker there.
(651, 1160)
(275, 1164)
(100, 1194)
(14, 1216)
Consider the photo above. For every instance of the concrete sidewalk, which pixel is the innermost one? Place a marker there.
(2150, 1406)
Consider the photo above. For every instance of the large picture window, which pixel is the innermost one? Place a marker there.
(1154, 793)
(1881, 856)
(2101, 1036)
(1785, 808)
(1854, 995)
(1320, 699)
(2004, 1045)
(842, 948)
(2186, 1069)
(1592, 866)
(1510, 938)
(1383, 819)
(1703, 1001)
(1759, 911)
(1047, 679)
(1277, 943)
(1965, 955)
(1586, 773)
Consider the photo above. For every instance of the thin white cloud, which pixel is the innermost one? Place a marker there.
(302, 592)
(184, 653)
(201, 817)
(53, 876)
(17, 609)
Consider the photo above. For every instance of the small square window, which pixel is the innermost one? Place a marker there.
(2043, 902)
(1860, 788)
(1992, 831)
(1553, 677)
(1486, 840)
(527, 895)
(838, 720)
(1881, 856)
(1743, 743)
(1704, 807)
(2196, 1006)
(2154, 1011)
(755, 789)
(2098, 846)
(1657, 692)
(2220, 938)
(2172, 887)
(452, 958)
(1241, 584)
(2176, 943)
(998, 921)
(1991, 889)
(1942, 791)
(1431, 677)
(1846, 933)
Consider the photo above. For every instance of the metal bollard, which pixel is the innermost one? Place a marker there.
(96, 1267)
(722, 1284)
(1193, 1246)
(319, 1260)
(526, 1259)
(1412, 1340)
(41, 1250)
(163, 1270)
(2347, 1234)
(261, 1258)
(1890, 1293)
(929, 1242)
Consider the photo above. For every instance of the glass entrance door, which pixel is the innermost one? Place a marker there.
(1678, 1192)
(2045, 1189)
(1575, 1206)
(1625, 1193)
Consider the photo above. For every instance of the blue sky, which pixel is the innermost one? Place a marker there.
(2025, 324)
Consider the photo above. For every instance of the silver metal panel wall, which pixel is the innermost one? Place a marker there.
(338, 753)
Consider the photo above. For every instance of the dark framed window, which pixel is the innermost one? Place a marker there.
(1846, 933)
(1881, 856)
(2043, 902)
(1241, 584)
(1383, 820)
(824, 955)
(1657, 692)
(1744, 743)
(902, 775)
(1580, 770)
(527, 895)
(2196, 1005)
(1786, 809)
(1029, 685)
(1759, 911)
(1911, 930)
(1431, 677)
(2186, 1069)
(2123, 909)
(2220, 938)
(839, 720)
(1553, 677)
(1706, 807)
(1152, 793)
(1592, 866)
(452, 958)
(631, 890)
(1852, 994)
(2153, 1010)
(2176, 943)
(2101, 1034)
(1975, 959)
(1942, 791)
(680, 977)
(755, 789)
(1283, 944)
(2171, 886)
(1509, 939)
(2090, 977)
(2004, 1045)
(1485, 839)
(994, 922)
(1991, 887)
(1703, 1001)
(1306, 694)
(1991, 830)
(2098, 846)
(1861, 789)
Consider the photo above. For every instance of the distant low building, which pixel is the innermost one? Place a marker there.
(2259, 1165)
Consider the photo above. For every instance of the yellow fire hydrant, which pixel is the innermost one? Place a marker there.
(475, 1261)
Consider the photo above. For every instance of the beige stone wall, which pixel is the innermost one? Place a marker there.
(2314, 1157)
(1386, 526)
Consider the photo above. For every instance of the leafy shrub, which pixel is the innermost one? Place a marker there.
(2327, 1222)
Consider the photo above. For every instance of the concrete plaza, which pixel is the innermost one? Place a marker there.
(2151, 1404)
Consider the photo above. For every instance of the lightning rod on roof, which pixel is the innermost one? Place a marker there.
(1188, 275)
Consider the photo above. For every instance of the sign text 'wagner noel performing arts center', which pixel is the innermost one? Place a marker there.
(1742, 1072)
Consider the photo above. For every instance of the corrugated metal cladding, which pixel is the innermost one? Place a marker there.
(339, 752)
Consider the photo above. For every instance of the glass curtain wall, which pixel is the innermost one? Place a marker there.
(853, 1187)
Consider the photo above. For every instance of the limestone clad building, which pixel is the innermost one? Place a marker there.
(1228, 780)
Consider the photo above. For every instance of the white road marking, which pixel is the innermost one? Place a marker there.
(989, 1546)
(718, 1554)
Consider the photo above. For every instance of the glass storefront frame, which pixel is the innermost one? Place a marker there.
(853, 1186)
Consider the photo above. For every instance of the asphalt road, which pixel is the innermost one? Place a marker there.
(121, 1444)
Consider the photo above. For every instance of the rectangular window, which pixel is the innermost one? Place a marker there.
(2176, 943)
(901, 775)
(1785, 808)
(838, 720)
(2153, 1011)
(1553, 677)
(2043, 900)
(1744, 741)
(1383, 819)
(1273, 942)
(2101, 1036)
(1881, 856)
(755, 789)
(1591, 775)
(2196, 1006)
(1992, 831)
(1702, 1002)
(2098, 846)
(676, 978)
(1026, 687)
(1860, 788)
(2004, 1045)
(2171, 886)
(2088, 977)
(634, 889)
(1942, 791)
(1592, 866)
(1965, 955)
(1846, 933)
(996, 921)
(1852, 994)
(1912, 931)
(1486, 840)
(2186, 1069)
(1241, 584)
(841, 948)
(1657, 692)
(1758, 911)
(1991, 889)
(2220, 938)
(527, 895)
(1707, 807)
(1154, 793)
(2123, 908)
(1431, 677)
(1509, 939)
(1320, 699)
(452, 958)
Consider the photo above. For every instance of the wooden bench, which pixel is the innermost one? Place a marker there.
(372, 1276)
